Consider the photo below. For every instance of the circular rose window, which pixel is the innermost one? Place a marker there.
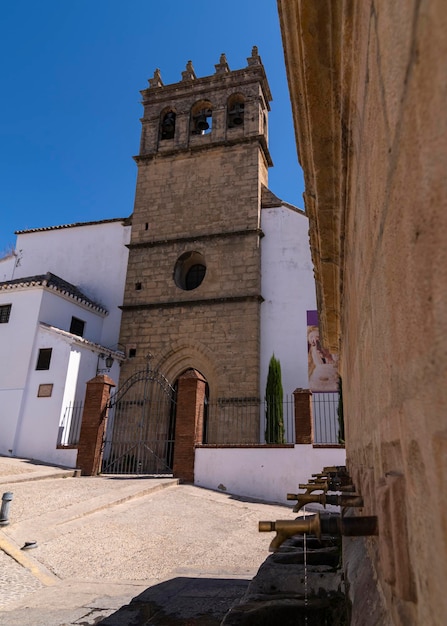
(189, 270)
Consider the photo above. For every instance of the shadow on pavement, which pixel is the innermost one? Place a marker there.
(181, 601)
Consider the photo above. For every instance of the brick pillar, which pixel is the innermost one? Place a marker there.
(304, 423)
(188, 423)
(94, 419)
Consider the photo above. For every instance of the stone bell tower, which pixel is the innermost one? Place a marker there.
(193, 291)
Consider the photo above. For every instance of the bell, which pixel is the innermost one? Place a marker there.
(236, 115)
(201, 123)
(237, 119)
(169, 123)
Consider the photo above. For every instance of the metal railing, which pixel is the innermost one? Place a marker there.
(238, 421)
(242, 421)
(70, 426)
(325, 414)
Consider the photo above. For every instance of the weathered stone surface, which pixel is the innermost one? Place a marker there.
(369, 112)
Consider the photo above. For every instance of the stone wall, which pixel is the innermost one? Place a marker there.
(387, 144)
(198, 203)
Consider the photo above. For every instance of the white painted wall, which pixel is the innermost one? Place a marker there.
(288, 289)
(263, 473)
(93, 257)
(17, 339)
(7, 265)
(37, 427)
(58, 310)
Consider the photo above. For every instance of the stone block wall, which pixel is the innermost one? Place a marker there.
(220, 339)
(378, 238)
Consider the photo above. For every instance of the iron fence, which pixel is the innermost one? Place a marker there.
(70, 426)
(235, 421)
(243, 421)
(325, 414)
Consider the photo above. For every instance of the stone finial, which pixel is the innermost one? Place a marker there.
(255, 59)
(189, 73)
(222, 67)
(156, 81)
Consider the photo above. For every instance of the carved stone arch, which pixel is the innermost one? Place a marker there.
(235, 110)
(201, 118)
(168, 117)
(184, 356)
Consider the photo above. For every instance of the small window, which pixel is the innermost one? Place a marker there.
(189, 270)
(235, 108)
(77, 326)
(5, 311)
(44, 358)
(201, 118)
(132, 353)
(138, 286)
(168, 125)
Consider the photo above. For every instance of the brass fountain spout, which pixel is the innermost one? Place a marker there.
(347, 500)
(317, 525)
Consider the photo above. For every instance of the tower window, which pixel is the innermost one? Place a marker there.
(235, 111)
(168, 125)
(138, 286)
(77, 326)
(5, 311)
(44, 358)
(190, 270)
(201, 118)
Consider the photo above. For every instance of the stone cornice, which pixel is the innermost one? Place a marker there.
(312, 34)
(250, 74)
(205, 237)
(191, 303)
(144, 158)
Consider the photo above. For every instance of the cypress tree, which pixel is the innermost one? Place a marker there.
(274, 430)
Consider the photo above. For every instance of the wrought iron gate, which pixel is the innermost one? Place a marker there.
(141, 425)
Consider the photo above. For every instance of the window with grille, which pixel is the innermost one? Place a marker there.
(44, 358)
(77, 326)
(5, 310)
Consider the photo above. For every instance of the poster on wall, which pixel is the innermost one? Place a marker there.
(323, 373)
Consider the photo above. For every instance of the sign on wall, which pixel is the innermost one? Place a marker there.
(323, 373)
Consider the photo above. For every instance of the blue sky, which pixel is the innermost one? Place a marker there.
(69, 113)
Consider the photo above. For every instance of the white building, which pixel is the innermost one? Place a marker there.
(59, 321)
(288, 289)
(60, 293)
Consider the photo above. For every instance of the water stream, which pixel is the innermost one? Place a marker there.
(305, 570)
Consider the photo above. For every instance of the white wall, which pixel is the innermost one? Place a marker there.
(37, 428)
(17, 336)
(92, 257)
(7, 265)
(16, 344)
(262, 473)
(288, 289)
(57, 311)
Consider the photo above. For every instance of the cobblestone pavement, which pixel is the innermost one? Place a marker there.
(16, 582)
(104, 540)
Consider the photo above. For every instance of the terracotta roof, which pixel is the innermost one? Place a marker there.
(51, 281)
(126, 221)
(270, 201)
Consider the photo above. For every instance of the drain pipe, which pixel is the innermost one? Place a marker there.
(4, 511)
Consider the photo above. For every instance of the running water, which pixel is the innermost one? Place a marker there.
(305, 569)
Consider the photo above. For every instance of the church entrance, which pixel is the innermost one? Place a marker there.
(141, 426)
